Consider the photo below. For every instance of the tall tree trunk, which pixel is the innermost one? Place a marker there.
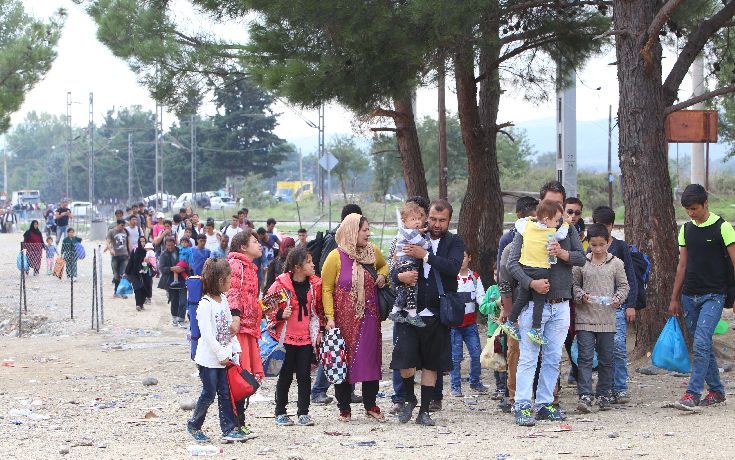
(649, 210)
(408, 144)
(480, 217)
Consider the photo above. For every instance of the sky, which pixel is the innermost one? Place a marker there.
(84, 65)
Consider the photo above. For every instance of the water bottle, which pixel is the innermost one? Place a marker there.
(601, 299)
(551, 239)
(204, 451)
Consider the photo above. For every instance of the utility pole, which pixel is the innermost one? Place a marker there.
(566, 132)
(698, 173)
(321, 152)
(193, 156)
(91, 148)
(609, 159)
(67, 165)
(443, 179)
(5, 173)
(130, 168)
(159, 155)
(301, 167)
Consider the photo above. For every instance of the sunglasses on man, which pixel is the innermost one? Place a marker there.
(572, 212)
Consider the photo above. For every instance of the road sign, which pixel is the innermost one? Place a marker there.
(328, 162)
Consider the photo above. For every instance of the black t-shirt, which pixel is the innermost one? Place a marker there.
(62, 221)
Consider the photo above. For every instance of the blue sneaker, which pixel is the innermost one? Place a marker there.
(524, 416)
(549, 412)
(198, 435)
(283, 420)
(234, 436)
(536, 337)
(511, 330)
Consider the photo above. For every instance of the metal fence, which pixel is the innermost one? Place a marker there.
(53, 274)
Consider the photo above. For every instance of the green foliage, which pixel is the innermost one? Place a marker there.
(26, 54)
(352, 162)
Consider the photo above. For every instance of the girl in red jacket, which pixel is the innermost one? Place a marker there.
(300, 314)
(245, 308)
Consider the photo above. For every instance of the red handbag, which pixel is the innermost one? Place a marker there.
(242, 383)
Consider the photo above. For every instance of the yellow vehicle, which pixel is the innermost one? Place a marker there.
(288, 191)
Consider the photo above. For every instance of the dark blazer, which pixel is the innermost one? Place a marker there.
(447, 261)
(165, 262)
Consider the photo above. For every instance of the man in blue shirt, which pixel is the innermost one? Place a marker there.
(199, 254)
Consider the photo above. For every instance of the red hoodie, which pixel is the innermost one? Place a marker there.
(243, 294)
(297, 332)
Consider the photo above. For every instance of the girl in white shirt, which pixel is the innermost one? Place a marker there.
(216, 347)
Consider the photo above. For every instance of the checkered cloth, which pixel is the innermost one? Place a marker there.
(333, 355)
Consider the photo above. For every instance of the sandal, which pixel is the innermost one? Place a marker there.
(345, 417)
(375, 413)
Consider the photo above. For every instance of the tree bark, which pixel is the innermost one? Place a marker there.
(649, 209)
(408, 144)
(480, 219)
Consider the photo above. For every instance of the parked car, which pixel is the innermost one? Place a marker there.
(201, 200)
(166, 201)
(217, 203)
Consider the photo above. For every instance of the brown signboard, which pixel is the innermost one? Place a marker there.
(691, 126)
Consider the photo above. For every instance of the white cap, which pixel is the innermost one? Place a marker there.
(160, 215)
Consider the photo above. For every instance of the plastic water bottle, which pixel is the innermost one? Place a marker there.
(601, 299)
(204, 451)
(551, 239)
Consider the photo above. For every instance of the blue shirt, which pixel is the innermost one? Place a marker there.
(199, 256)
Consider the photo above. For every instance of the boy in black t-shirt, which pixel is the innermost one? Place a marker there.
(703, 279)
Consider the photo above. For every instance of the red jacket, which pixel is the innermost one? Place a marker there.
(243, 294)
(297, 332)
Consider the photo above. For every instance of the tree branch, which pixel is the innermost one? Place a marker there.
(609, 33)
(700, 98)
(381, 112)
(502, 131)
(516, 51)
(393, 130)
(556, 4)
(649, 38)
(507, 124)
(693, 47)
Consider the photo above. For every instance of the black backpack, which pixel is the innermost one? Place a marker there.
(641, 268)
(315, 248)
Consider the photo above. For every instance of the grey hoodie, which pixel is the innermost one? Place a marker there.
(560, 274)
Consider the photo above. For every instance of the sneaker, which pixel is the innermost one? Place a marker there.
(524, 416)
(246, 431)
(304, 420)
(584, 406)
(396, 409)
(415, 321)
(175, 285)
(550, 412)
(620, 397)
(688, 402)
(712, 398)
(198, 435)
(233, 436)
(139, 308)
(321, 399)
(498, 394)
(511, 330)
(356, 399)
(283, 420)
(536, 337)
(505, 405)
(148, 301)
(407, 411)
(175, 322)
(603, 402)
(435, 406)
(479, 388)
(424, 418)
(457, 393)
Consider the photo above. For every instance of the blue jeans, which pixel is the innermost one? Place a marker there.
(60, 233)
(214, 383)
(620, 354)
(701, 315)
(460, 336)
(554, 326)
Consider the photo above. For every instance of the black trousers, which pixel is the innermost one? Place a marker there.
(343, 392)
(140, 296)
(298, 360)
(148, 285)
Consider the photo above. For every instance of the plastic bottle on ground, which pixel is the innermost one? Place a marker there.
(204, 451)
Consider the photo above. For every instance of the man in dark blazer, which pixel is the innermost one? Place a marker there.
(427, 348)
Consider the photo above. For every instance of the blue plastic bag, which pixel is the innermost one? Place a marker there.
(79, 249)
(22, 261)
(193, 297)
(272, 351)
(124, 288)
(575, 354)
(670, 351)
